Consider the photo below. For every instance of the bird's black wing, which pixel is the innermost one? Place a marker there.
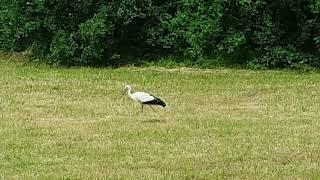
(156, 101)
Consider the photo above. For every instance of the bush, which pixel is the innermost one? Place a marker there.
(96, 40)
(64, 49)
(268, 34)
(279, 57)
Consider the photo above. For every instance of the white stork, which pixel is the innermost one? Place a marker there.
(143, 98)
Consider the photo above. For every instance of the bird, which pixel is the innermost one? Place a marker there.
(143, 98)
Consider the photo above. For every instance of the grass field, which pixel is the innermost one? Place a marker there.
(223, 123)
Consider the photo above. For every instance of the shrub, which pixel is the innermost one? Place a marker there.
(279, 57)
(64, 49)
(269, 34)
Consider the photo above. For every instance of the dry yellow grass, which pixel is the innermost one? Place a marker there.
(72, 123)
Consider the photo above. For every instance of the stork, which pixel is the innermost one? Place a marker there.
(143, 98)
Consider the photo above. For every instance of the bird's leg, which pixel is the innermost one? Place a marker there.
(141, 108)
(152, 108)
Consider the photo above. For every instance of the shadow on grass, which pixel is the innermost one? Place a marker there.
(154, 121)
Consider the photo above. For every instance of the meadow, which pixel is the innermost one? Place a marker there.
(72, 123)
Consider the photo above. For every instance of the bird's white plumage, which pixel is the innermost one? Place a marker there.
(141, 97)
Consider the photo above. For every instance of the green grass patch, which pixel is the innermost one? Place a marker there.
(222, 123)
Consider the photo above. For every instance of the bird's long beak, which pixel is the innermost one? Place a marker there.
(124, 92)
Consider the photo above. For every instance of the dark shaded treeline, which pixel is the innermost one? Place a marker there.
(260, 34)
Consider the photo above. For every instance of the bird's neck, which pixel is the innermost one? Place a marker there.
(129, 92)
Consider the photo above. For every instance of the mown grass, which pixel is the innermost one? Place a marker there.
(223, 123)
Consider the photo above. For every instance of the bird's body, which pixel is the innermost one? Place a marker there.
(144, 98)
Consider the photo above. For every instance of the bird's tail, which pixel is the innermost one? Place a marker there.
(161, 103)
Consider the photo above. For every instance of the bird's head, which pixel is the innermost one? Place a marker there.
(126, 88)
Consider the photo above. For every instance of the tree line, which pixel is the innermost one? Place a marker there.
(252, 33)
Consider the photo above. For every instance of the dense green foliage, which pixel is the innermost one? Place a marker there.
(260, 34)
